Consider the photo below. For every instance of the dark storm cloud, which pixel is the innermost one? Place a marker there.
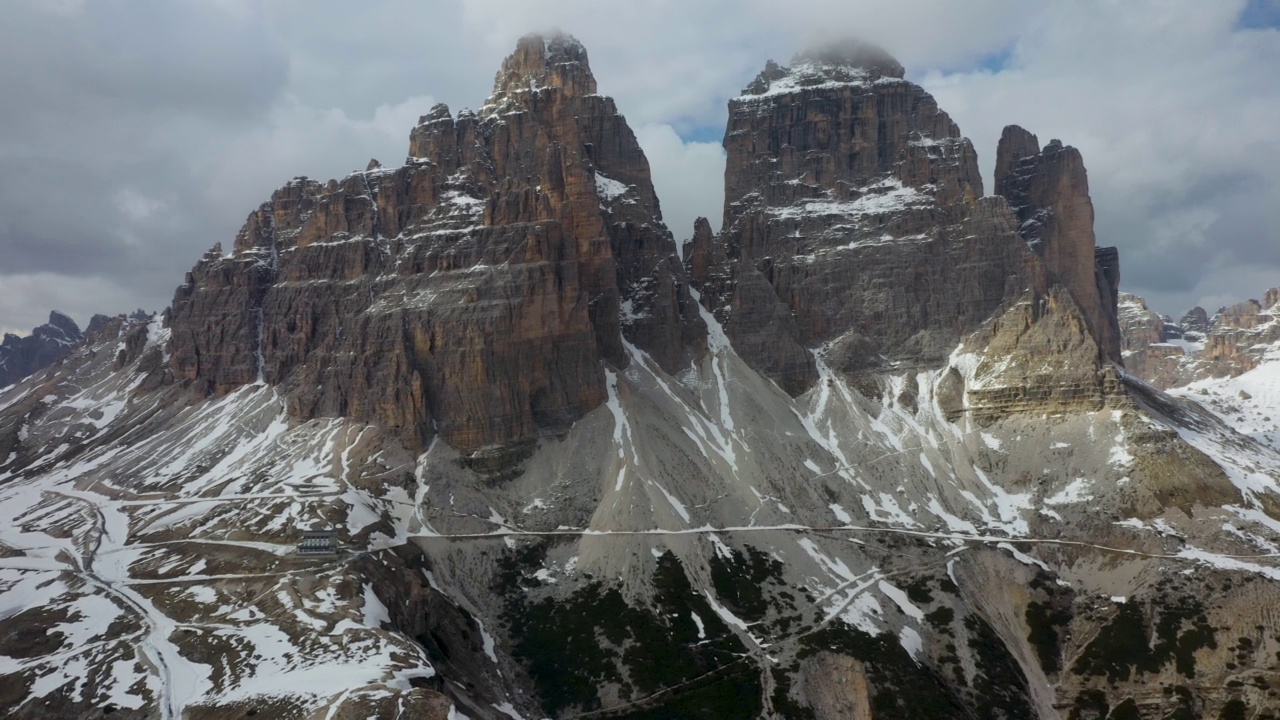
(137, 57)
(134, 135)
(103, 103)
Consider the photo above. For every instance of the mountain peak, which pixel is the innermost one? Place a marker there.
(852, 53)
(48, 343)
(541, 62)
(843, 63)
(64, 323)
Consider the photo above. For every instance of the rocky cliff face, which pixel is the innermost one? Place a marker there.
(849, 197)
(852, 201)
(902, 479)
(470, 294)
(1148, 347)
(1195, 320)
(46, 345)
(1049, 191)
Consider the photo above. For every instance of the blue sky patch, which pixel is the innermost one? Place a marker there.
(701, 133)
(996, 61)
(1261, 14)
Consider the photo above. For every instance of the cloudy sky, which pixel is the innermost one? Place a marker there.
(134, 134)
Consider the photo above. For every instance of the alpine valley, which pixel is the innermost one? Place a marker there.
(886, 446)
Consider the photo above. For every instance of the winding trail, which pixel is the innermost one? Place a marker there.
(833, 529)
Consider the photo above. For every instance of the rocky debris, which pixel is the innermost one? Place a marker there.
(46, 345)
(981, 572)
(1036, 358)
(1049, 191)
(471, 294)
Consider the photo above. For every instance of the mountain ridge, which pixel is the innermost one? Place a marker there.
(574, 474)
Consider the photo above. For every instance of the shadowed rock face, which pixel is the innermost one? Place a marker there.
(1195, 320)
(47, 344)
(472, 293)
(852, 213)
(1049, 191)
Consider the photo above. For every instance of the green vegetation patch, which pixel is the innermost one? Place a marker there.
(1001, 686)
(1234, 709)
(574, 646)
(1044, 622)
(1123, 648)
(742, 585)
(783, 704)
(1126, 710)
(1046, 618)
(1090, 705)
(1186, 707)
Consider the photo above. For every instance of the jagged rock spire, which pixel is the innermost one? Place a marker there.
(476, 294)
(1049, 190)
(554, 60)
(1015, 144)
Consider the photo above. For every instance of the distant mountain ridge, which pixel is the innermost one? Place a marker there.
(47, 344)
(1231, 342)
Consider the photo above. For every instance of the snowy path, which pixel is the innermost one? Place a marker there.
(707, 530)
(178, 678)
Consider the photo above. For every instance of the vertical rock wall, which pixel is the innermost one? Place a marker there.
(474, 293)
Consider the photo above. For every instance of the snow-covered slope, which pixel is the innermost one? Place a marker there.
(148, 539)
(1249, 402)
(153, 541)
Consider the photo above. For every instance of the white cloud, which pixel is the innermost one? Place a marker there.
(688, 177)
(25, 300)
(1173, 108)
(298, 139)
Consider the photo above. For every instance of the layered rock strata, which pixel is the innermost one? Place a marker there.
(1148, 347)
(1232, 342)
(854, 221)
(472, 294)
(851, 201)
(1048, 189)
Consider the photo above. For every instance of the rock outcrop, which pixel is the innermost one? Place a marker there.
(855, 221)
(1148, 346)
(1234, 341)
(473, 294)
(1049, 191)
(46, 345)
(851, 199)
(1239, 337)
(1195, 319)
